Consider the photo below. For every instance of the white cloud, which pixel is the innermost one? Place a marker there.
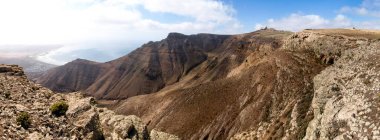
(78, 22)
(373, 24)
(341, 21)
(297, 22)
(369, 8)
(62, 21)
(201, 10)
(50, 56)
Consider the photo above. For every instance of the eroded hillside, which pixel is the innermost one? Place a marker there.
(276, 93)
(145, 70)
(268, 84)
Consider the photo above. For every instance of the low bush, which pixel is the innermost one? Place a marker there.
(59, 108)
(23, 119)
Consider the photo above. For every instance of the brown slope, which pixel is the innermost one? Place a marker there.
(155, 65)
(222, 107)
(247, 88)
(145, 70)
(74, 76)
(268, 96)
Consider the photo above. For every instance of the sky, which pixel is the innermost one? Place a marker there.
(58, 31)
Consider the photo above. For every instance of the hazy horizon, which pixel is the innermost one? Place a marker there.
(58, 31)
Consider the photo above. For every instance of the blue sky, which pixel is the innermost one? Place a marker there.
(102, 30)
(338, 13)
(251, 12)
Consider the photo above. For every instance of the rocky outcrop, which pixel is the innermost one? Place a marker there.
(11, 70)
(346, 98)
(103, 123)
(18, 95)
(83, 120)
(157, 135)
(33, 68)
(123, 127)
(326, 46)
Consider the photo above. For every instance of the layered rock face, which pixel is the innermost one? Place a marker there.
(83, 120)
(346, 97)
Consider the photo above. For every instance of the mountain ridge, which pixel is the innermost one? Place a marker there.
(174, 57)
(83, 69)
(266, 84)
(273, 94)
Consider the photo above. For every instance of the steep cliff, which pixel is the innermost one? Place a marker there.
(346, 96)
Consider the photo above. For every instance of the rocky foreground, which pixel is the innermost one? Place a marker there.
(83, 120)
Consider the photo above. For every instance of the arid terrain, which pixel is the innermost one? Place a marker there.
(267, 84)
(83, 119)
